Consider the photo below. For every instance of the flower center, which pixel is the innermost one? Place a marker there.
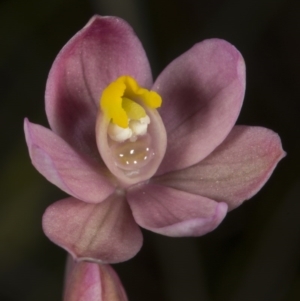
(124, 104)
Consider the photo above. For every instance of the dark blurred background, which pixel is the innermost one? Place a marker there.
(255, 253)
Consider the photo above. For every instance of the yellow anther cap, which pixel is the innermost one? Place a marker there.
(117, 101)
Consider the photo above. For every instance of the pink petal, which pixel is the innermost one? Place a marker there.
(103, 50)
(104, 232)
(235, 171)
(172, 212)
(93, 282)
(202, 92)
(73, 173)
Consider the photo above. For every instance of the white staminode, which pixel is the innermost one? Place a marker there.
(118, 133)
(136, 128)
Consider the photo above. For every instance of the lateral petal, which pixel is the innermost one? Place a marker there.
(172, 212)
(72, 172)
(235, 171)
(202, 92)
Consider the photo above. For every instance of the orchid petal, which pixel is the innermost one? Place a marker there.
(202, 92)
(172, 212)
(235, 171)
(88, 281)
(103, 50)
(104, 232)
(61, 165)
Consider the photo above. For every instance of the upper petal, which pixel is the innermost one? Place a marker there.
(202, 92)
(103, 50)
(72, 172)
(104, 232)
(235, 171)
(172, 212)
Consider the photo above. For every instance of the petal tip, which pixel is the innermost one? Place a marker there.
(92, 20)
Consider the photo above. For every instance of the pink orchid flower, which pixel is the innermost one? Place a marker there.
(87, 281)
(177, 175)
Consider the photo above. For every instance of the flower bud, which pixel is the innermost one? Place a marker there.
(86, 281)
